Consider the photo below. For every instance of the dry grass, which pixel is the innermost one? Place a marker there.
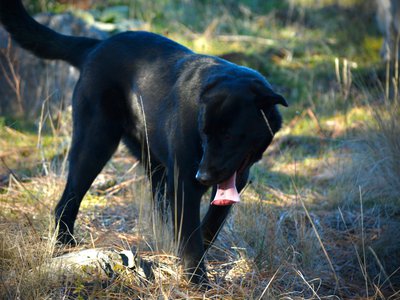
(265, 250)
(372, 169)
(288, 248)
(368, 179)
(378, 156)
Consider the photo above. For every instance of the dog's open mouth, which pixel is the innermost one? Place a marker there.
(227, 193)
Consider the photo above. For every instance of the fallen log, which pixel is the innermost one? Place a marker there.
(102, 263)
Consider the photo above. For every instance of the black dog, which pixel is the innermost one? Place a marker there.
(193, 120)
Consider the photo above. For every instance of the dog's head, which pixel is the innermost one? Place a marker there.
(237, 121)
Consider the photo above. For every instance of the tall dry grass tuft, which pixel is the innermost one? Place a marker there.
(380, 159)
(368, 181)
(282, 245)
(375, 157)
(22, 262)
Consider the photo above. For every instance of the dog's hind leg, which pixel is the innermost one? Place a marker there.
(96, 136)
(158, 187)
(157, 175)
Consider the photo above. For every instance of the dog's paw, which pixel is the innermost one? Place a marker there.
(198, 277)
(66, 239)
(200, 282)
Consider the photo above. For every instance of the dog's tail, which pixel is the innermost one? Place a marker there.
(40, 40)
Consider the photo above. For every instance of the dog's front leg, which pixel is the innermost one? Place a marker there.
(185, 199)
(216, 215)
(213, 221)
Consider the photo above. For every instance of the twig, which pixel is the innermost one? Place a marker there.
(245, 38)
(313, 117)
(364, 266)
(382, 269)
(19, 181)
(114, 189)
(232, 38)
(306, 282)
(15, 80)
(269, 283)
(33, 227)
(15, 151)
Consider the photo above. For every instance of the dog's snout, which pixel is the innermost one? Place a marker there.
(203, 177)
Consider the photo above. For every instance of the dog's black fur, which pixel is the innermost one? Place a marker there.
(192, 119)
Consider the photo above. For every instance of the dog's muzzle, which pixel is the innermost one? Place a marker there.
(204, 178)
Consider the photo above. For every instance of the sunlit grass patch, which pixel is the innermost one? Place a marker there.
(374, 170)
(25, 152)
(33, 198)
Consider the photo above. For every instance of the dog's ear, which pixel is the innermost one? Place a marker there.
(207, 87)
(265, 96)
(275, 98)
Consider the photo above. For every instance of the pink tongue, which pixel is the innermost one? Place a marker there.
(227, 193)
